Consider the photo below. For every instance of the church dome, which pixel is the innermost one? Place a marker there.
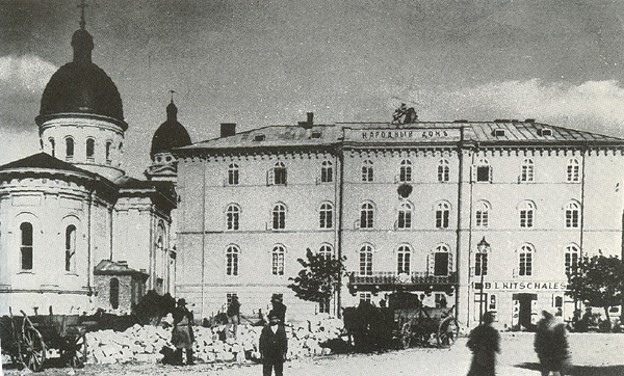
(81, 86)
(171, 134)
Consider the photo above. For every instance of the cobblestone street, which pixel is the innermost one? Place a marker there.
(593, 354)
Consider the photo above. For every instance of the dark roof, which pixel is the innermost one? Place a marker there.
(107, 267)
(43, 161)
(171, 134)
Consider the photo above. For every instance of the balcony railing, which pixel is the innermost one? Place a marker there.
(393, 278)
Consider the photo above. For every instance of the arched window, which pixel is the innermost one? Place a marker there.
(527, 214)
(279, 217)
(366, 260)
(69, 148)
(481, 263)
(572, 214)
(405, 215)
(326, 216)
(572, 253)
(52, 147)
(70, 248)
(327, 172)
(277, 260)
(326, 251)
(26, 248)
(367, 171)
(405, 171)
(441, 261)
(482, 214)
(443, 210)
(232, 217)
(527, 170)
(525, 260)
(231, 260)
(109, 145)
(367, 215)
(90, 149)
(443, 171)
(279, 174)
(573, 170)
(233, 174)
(114, 293)
(404, 255)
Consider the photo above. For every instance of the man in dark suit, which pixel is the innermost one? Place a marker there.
(278, 307)
(273, 346)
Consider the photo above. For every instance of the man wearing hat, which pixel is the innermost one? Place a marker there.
(233, 313)
(278, 307)
(273, 346)
(182, 335)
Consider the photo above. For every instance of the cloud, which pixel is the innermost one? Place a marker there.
(24, 75)
(591, 105)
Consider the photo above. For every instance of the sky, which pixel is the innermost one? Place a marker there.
(264, 62)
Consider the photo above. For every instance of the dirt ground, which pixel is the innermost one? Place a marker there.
(593, 354)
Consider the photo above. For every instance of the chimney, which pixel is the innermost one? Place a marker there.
(310, 121)
(228, 129)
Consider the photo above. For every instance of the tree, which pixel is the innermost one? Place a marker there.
(598, 280)
(319, 278)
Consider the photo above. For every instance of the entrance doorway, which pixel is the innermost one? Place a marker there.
(525, 311)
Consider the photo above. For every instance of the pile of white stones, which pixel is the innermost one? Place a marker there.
(144, 343)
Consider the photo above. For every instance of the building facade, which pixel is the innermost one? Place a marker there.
(407, 205)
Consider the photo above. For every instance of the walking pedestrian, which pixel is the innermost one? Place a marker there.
(233, 313)
(551, 345)
(273, 346)
(182, 334)
(278, 307)
(484, 342)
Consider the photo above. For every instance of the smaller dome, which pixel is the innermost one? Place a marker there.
(171, 134)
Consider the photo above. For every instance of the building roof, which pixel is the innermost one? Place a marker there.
(503, 132)
(108, 267)
(44, 161)
(171, 134)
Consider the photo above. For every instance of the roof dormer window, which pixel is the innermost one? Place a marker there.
(498, 132)
(545, 132)
(259, 137)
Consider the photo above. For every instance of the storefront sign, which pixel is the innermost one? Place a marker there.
(521, 286)
(403, 135)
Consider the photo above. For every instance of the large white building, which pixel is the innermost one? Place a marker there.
(407, 205)
(76, 233)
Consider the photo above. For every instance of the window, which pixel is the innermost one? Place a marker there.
(279, 217)
(90, 149)
(327, 172)
(324, 306)
(109, 145)
(367, 214)
(527, 211)
(443, 171)
(571, 259)
(26, 249)
(573, 170)
(277, 260)
(233, 174)
(405, 216)
(482, 214)
(441, 258)
(483, 171)
(481, 264)
(70, 248)
(52, 147)
(366, 260)
(442, 215)
(114, 293)
(526, 171)
(405, 171)
(69, 148)
(232, 217)
(403, 259)
(525, 266)
(572, 214)
(279, 174)
(367, 171)
(366, 296)
(231, 260)
(326, 216)
(326, 251)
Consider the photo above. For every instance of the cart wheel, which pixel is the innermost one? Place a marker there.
(32, 350)
(75, 354)
(448, 332)
(406, 335)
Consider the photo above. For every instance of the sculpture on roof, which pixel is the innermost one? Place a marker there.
(404, 115)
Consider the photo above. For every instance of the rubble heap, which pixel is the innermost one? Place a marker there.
(144, 343)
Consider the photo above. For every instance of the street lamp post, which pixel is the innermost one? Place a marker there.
(483, 247)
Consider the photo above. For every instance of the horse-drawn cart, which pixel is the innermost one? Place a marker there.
(27, 339)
